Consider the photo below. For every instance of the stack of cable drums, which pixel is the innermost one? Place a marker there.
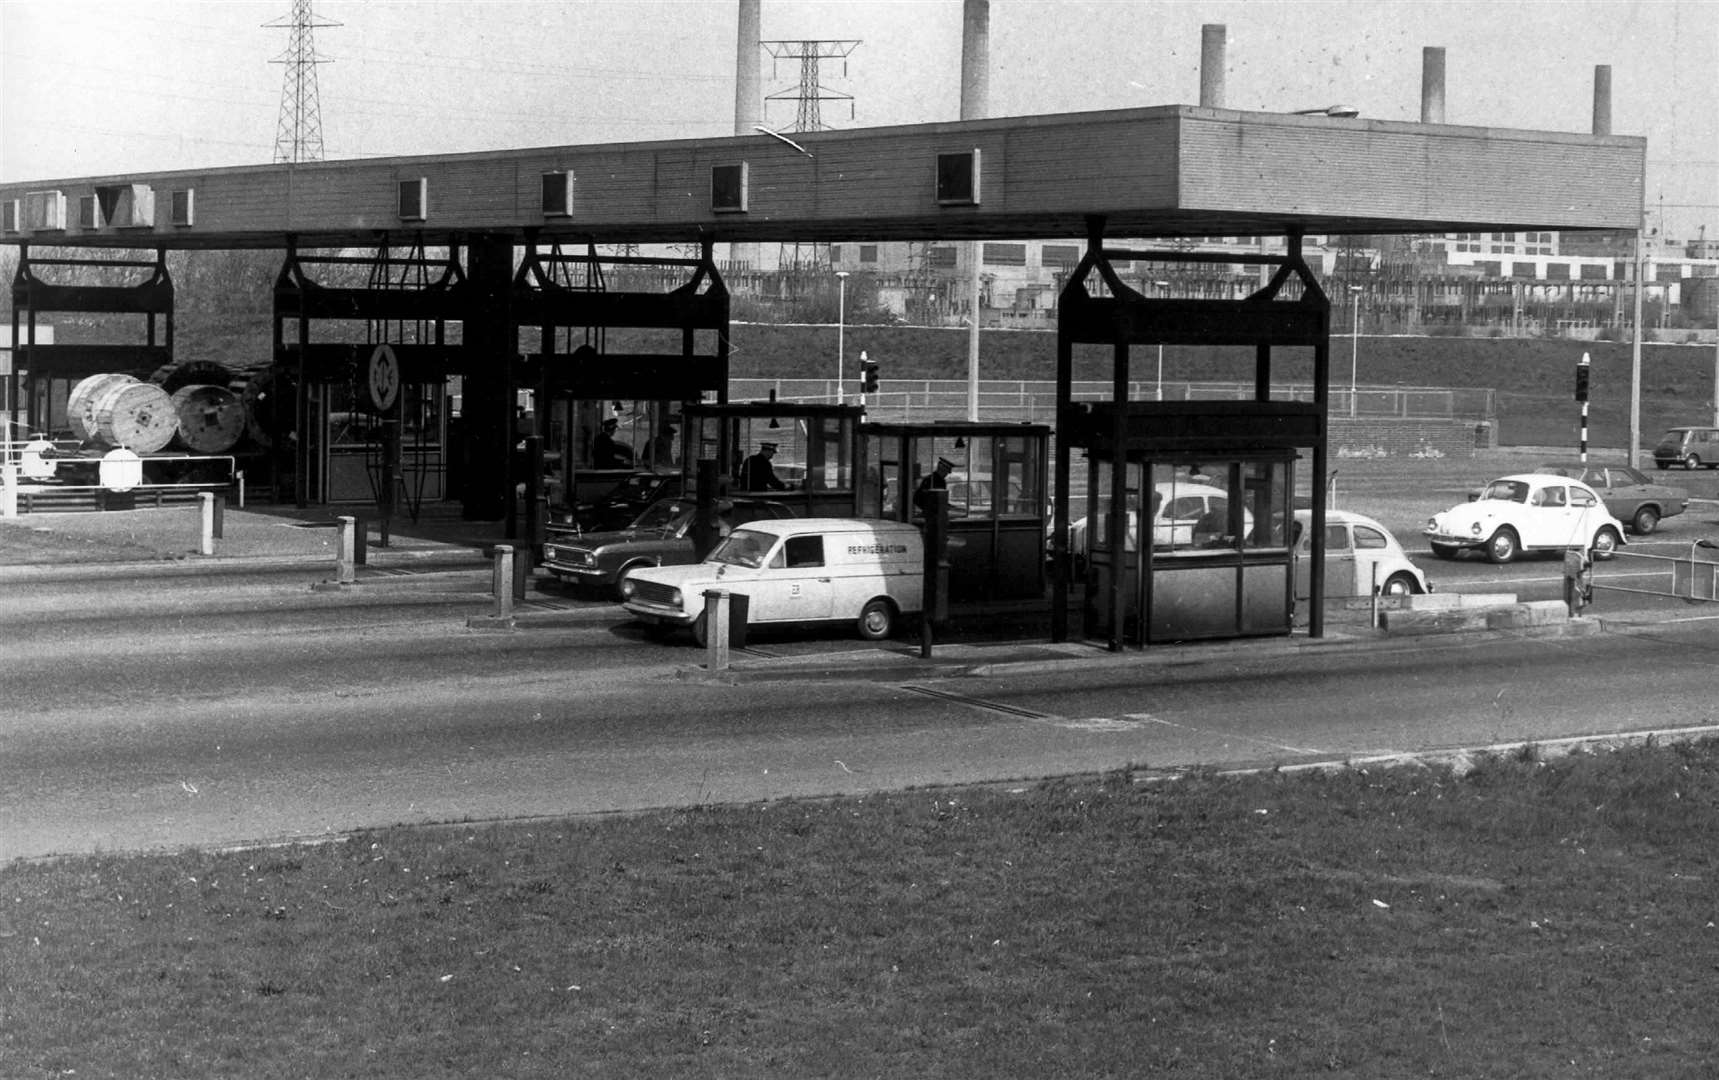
(120, 411)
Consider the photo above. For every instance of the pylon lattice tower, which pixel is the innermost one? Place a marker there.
(811, 93)
(808, 116)
(298, 135)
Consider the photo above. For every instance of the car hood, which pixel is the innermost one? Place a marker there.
(696, 576)
(592, 541)
(1484, 511)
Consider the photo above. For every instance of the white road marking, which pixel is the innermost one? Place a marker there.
(1150, 719)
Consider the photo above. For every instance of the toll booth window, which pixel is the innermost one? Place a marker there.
(1265, 490)
(804, 551)
(828, 460)
(1020, 488)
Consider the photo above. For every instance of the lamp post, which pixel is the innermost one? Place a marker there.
(841, 334)
(1165, 286)
(1354, 347)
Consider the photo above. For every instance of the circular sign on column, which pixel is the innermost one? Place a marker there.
(384, 378)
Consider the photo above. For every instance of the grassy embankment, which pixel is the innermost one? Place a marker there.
(1526, 919)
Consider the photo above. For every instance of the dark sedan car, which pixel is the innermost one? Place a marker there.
(661, 536)
(1628, 494)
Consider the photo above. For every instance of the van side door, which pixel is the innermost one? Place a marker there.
(796, 585)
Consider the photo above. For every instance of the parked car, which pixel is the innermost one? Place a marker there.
(1526, 512)
(811, 570)
(614, 504)
(661, 536)
(1628, 494)
(1360, 555)
(1691, 447)
(1186, 513)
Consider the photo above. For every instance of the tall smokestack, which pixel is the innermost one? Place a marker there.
(748, 74)
(1212, 38)
(975, 59)
(1432, 85)
(1602, 99)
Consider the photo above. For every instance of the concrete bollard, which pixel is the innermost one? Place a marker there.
(716, 629)
(345, 572)
(207, 543)
(9, 488)
(503, 581)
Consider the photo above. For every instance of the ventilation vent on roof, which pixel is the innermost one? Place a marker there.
(415, 199)
(9, 216)
(126, 206)
(728, 188)
(44, 211)
(184, 206)
(557, 194)
(958, 179)
(89, 212)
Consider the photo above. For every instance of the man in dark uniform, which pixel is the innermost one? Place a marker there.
(756, 472)
(606, 453)
(935, 480)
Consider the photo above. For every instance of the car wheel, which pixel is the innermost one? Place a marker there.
(1400, 584)
(1646, 519)
(1692, 462)
(701, 631)
(1606, 543)
(877, 620)
(1503, 546)
(1444, 551)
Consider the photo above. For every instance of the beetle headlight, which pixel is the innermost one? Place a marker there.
(1475, 528)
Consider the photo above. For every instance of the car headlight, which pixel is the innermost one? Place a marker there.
(1475, 528)
(1432, 523)
(674, 597)
(627, 588)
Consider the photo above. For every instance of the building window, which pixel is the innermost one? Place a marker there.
(868, 253)
(1558, 271)
(835, 254)
(1006, 254)
(1522, 270)
(1591, 272)
(942, 258)
(1059, 255)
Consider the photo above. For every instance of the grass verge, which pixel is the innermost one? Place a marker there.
(1525, 919)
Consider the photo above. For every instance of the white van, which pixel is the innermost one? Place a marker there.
(801, 570)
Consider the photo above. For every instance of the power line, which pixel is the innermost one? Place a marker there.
(298, 136)
(810, 94)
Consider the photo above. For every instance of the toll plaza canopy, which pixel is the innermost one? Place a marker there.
(1167, 171)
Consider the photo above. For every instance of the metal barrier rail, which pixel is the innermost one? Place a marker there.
(1692, 579)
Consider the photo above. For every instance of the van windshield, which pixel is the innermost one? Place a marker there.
(743, 547)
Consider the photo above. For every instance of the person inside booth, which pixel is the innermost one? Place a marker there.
(935, 480)
(758, 474)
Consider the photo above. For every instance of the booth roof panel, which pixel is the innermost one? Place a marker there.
(1170, 171)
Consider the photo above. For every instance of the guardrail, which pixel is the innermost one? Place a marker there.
(1034, 400)
(1689, 577)
(30, 471)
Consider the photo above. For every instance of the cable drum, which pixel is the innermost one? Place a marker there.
(138, 416)
(80, 404)
(211, 419)
(176, 376)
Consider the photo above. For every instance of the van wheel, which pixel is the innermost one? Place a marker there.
(877, 620)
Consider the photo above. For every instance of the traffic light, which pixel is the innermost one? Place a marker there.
(868, 376)
(1582, 379)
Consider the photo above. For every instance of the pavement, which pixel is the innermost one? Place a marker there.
(168, 541)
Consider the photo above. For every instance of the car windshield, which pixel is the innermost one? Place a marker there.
(743, 547)
(669, 514)
(1506, 491)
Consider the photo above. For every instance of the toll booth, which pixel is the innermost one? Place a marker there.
(998, 491)
(1205, 547)
(796, 453)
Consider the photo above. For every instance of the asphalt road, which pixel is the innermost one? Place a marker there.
(160, 713)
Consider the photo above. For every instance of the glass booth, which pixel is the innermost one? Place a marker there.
(1204, 551)
(998, 491)
(792, 452)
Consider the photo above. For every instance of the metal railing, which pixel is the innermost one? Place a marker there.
(1034, 400)
(1687, 577)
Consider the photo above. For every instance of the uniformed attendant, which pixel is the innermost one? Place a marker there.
(935, 480)
(606, 453)
(756, 472)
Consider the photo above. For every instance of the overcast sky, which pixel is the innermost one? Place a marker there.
(100, 88)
